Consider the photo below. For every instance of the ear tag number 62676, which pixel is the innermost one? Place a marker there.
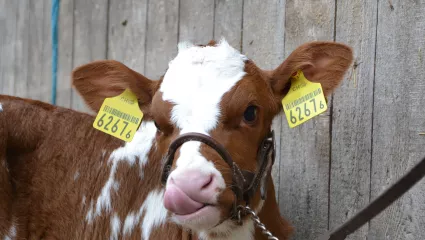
(119, 116)
(304, 100)
(114, 127)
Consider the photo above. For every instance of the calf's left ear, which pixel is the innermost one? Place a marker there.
(107, 78)
(323, 62)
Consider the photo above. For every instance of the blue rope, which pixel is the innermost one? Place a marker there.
(54, 25)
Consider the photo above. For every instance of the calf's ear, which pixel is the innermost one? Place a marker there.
(323, 62)
(107, 78)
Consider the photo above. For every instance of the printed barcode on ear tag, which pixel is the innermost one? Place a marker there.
(119, 116)
(304, 100)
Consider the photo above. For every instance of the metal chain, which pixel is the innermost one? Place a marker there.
(257, 222)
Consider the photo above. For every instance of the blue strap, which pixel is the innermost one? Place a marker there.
(54, 25)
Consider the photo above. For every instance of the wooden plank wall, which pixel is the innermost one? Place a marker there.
(352, 115)
(326, 169)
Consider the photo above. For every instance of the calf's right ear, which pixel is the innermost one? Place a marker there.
(107, 78)
(321, 61)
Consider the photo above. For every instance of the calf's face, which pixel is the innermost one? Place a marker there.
(217, 91)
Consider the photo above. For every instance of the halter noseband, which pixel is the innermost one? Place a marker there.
(244, 183)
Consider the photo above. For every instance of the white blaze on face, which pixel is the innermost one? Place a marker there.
(195, 83)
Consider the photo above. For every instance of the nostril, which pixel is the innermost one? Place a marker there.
(208, 182)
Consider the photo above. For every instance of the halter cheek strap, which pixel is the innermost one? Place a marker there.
(265, 161)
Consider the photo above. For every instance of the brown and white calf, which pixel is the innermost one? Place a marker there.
(62, 179)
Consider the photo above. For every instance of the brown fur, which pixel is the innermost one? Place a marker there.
(42, 146)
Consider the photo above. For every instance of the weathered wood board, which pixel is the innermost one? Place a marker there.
(8, 15)
(399, 116)
(20, 65)
(127, 33)
(65, 52)
(162, 36)
(228, 21)
(90, 38)
(351, 143)
(39, 51)
(305, 150)
(196, 21)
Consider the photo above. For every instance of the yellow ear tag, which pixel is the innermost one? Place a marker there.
(304, 100)
(119, 116)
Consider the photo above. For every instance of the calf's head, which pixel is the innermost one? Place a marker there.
(216, 91)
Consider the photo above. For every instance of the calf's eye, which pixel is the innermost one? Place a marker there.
(250, 114)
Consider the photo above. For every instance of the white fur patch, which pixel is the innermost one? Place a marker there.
(76, 175)
(195, 83)
(184, 45)
(234, 232)
(155, 215)
(83, 201)
(197, 79)
(89, 216)
(228, 227)
(129, 223)
(138, 149)
(11, 234)
(115, 227)
(1, 107)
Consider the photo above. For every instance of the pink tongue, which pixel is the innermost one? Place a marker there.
(176, 201)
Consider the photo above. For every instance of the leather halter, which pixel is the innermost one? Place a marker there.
(244, 183)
